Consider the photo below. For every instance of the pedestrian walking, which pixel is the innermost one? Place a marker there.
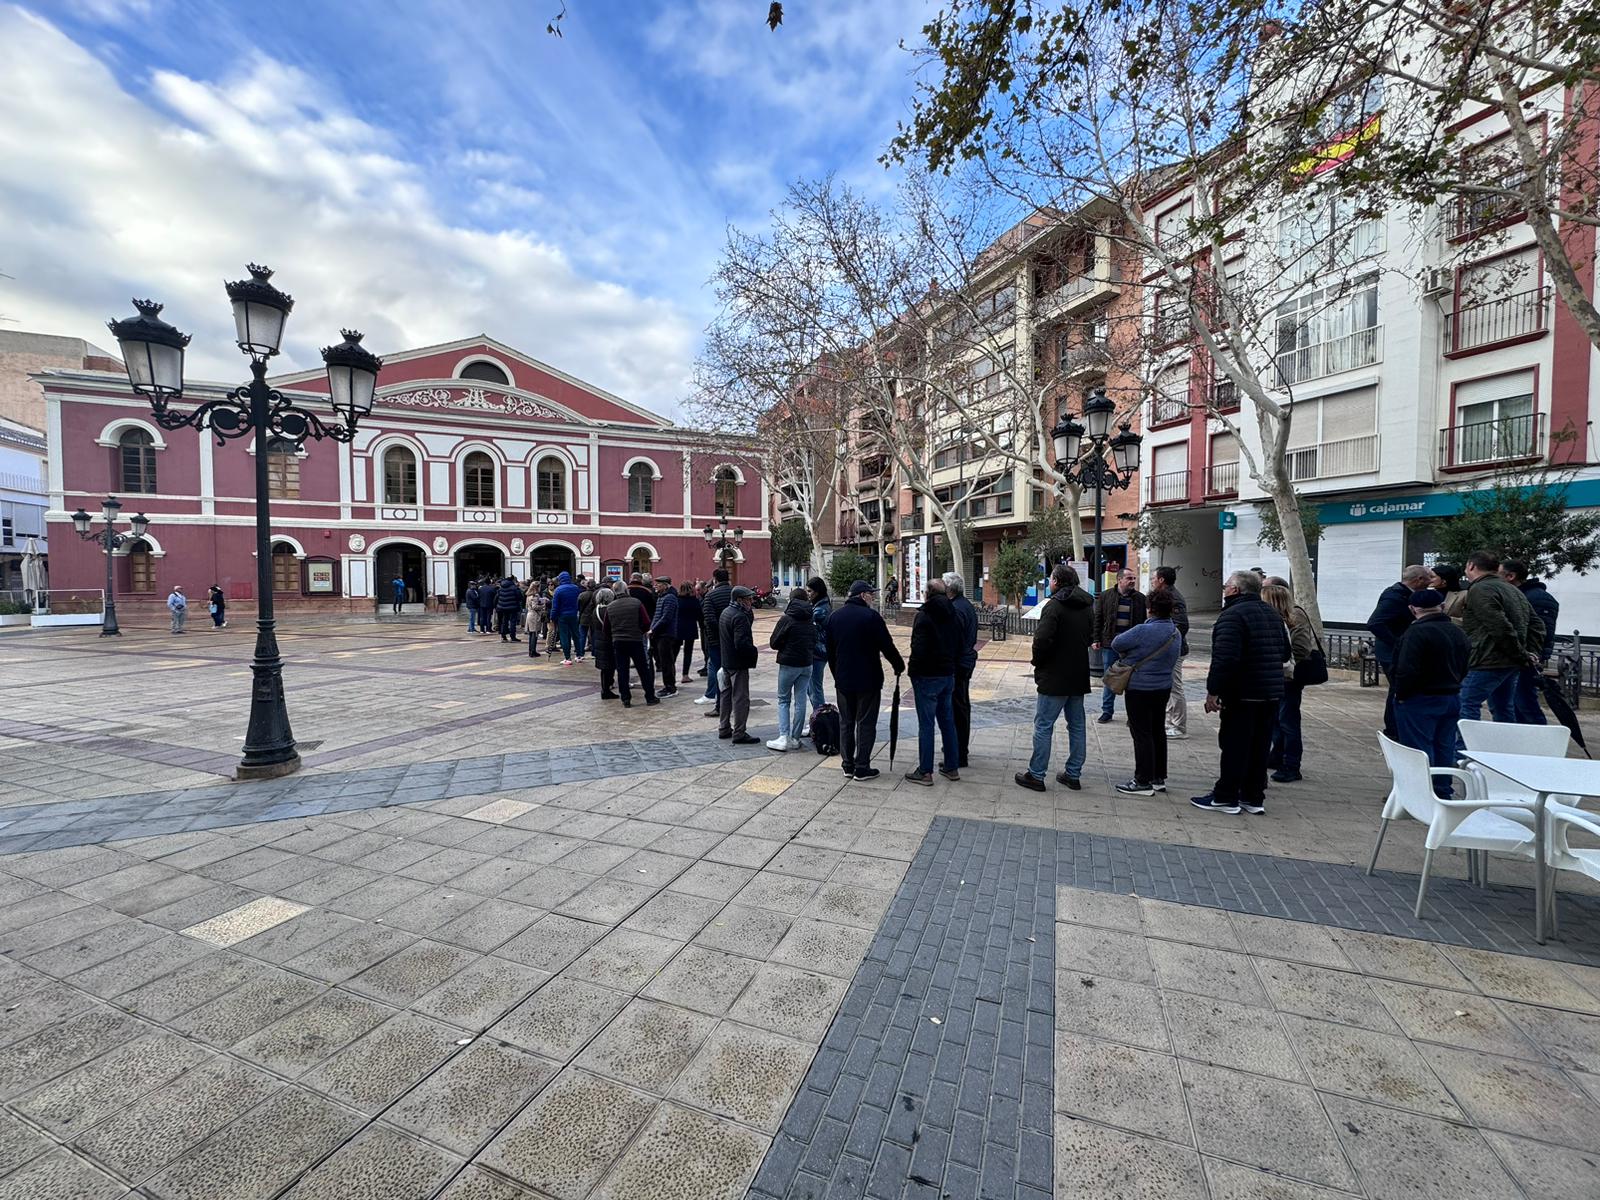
(966, 662)
(628, 625)
(1389, 619)
(1446, 579)
(1288, 747)
(1525, 700)
(1060, 657)
(398, 586)
(600, 639)
(1116, 609)
(794, 637)
(690, 615)
(891, 590)
(471, 602)
(1177, 717)
(218, 604)
(821, 610)
(1249, 645)
(935, 651)
(857, 640)
(664, 636)
(178, 606)
(1507, 637)
(1430, 664)
(737, 646)
(564, 612)
(587, 599)
(1153, 648)
(712, 607)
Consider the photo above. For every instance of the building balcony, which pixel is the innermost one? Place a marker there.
(1485, 444)
(28, 485)
(1328, 460)
(911, 523)
(1089, 358)
(1362, 348)
(1505, 319)
(1222, 479)
(1170, 487)
(1224, 394)
(1079, 293)
(875, 483)
(1169, 410)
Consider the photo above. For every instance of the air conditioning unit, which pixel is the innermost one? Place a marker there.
(1439, 281)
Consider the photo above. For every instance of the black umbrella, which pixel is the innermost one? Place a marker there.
(1560, 709)
(894, 720)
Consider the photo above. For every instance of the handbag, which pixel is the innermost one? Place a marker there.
(1119, 674)
(1314, 669)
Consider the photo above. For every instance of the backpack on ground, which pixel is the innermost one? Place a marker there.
(825, 729)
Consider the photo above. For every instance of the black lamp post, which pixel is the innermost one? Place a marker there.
(111, 540)
(1090, 466)
(153, 353)
(722, 540)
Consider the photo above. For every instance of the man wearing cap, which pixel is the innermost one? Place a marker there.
(856, 638)
(737, 645)
(1430, 661)
(664, 636)
(178, 604)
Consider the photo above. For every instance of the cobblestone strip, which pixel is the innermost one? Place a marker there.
(934, 1079)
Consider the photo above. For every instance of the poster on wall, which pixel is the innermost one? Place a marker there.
(614, 572)
(914, 564)
(319, 578)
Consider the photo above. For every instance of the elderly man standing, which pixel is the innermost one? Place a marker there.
(736, 641)
(1061, 674)
(966, 663)
(1507, 637)
(1249, 645)
(857, 639)
(1390, 618)
(1116, 610)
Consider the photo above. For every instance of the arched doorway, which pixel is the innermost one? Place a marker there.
(403, 561)
(641, 560)
(549, 560)
(475, 562)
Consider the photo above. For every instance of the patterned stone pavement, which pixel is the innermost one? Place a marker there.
(499, 941)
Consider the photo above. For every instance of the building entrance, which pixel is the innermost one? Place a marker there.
(476, 562)
(546, 562)
(400, 561)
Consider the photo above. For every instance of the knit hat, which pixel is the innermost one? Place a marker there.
(1426, 598)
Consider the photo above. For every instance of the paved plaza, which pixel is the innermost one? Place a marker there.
(500, 941)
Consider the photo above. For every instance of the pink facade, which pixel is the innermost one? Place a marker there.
(453, 475)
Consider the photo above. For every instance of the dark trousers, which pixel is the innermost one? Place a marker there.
(633, 652)
(1388, 703)
(713, 665)
(507, 627)
(1147, 715)
(1244, 738)
(1525, 698)
(485, 619)
(688, 657)
(733, 703)
(1428, 723)
(666, 656)
(962, 702)
(1287, 746)
(858, 727)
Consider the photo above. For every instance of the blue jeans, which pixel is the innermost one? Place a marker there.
(935, 696)
(1045, 711)
(583, 639)
(472, 620)
(818, 669)
(1287, 747)
(713, 665)
(793, 683)
(1525, 699)
(1497, 685)
(567, 629)
(1428, 723)
(1108, 698)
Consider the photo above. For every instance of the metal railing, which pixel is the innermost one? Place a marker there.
(1170, 487)
(1500, 320)
(1325, 460)
(16, 482)
(1224, 394)
(1484, 443)
(1222, 479)
(1168, 408)
(1359, 349)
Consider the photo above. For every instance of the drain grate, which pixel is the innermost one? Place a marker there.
(311, 745)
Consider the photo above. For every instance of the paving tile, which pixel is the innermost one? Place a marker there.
(1188, 923)
(1412, 1157)
(248, 1008)
(1221, 973)
(1405, 959)
(192, 985)
(412, 972)
(1324, 994)
(343, 957)
(1120, 1085)
(624, 959)
(1101, 1007)
(38, 1008)
(743, 1073)
(60, 1175)
(1235, 1181)
(707, 981)
(314, 1032)
(480, 993)
(560, 1018)
(1108, 1164)
(95, 1090)
(1568, 1039)
(675, 915)
(607, 901)
(1297, 941)
(488, 925)
(1112, 953)
(56, 1050)
(378, 897)
(1531, 980)
(752, 932)
(823, 946)
(1229, 1034)
(647, 1045)
(1455, 1018)
(552, 942)
(381, 1065)
(19, 1143)
(713, 881)
(1369, 1066)
(292, 938)
(788, 1000)
(474, 1184)
(685, 1155)
(256, 1156)
(807, 862)
(1518, 1097)
(849, 905)
(777, 892)
(138, 966)
(564, 1142)
(438, 907)
(1546, 1171)
(465, 1101)
(500, 811)
(378, 1164)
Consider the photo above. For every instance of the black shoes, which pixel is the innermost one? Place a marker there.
(608, 696)
(952, 776)
(1286, 775)
(1063, 778)
(867, 773)
(744, 739)
(1103, 719)
(1210, 803)
(1134, 788)
(1032, 782)
(652, 699)
(919, 777)
(724, 733)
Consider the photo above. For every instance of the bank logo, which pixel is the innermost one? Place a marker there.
(1358, 510)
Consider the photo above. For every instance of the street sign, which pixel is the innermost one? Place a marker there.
(1227, 520)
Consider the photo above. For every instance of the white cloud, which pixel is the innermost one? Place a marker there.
(103, 196)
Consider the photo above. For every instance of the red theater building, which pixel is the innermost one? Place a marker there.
(476, 459)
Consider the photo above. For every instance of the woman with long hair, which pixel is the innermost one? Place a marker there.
(1447, 579)
(1287, 747)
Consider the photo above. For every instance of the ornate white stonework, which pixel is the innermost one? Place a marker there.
(586, 546)
(357, 543)
(440, 545)
(518, 545)
(473, 398)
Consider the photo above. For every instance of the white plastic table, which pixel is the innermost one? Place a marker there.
(1545, 777)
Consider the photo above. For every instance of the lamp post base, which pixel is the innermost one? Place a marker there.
(104, 632)
(272, 770)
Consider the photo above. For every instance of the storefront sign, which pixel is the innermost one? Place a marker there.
(1228, 520)
(319, 577)
(1582, 493)
(913, 567)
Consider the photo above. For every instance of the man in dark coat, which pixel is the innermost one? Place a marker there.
(639, 588)
(1388, 621)
(857, 638)
(1116, 610)
(1249, 645)
(586, 602)
(1430, 662)
(471, 602)
(966, 664)
(627, 623)
(664, 636)
(715, 603)
(690, 615)
(488, 592)
(1166, 580)
(935, 651)
(1525, 701)
(736, 640)
(1061, 675)
(1507, 637)
(507, 604)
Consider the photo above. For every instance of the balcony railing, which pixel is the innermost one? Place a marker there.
(1490, 443)
(1325, 460)
(1503, 319)
(1224, 394)
(1359, 349)
(911, 522)
(15, 482)
(1166, 409)
(1170, 487)
(1086, 357)
(1222, 479)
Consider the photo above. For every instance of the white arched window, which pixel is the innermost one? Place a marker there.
(399, 475)
(488, 372)
(477, 480)
(727, 482)
(641, 488)
(136, 451)
(283, 469)
(550, 480)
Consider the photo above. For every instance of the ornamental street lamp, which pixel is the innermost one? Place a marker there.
(111, 540)
(1089, 465)
(153, 353)
(722, 540)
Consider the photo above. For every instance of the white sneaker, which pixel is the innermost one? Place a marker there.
(704, 700)
(566, 662)
(778, 743)
(1177, 735)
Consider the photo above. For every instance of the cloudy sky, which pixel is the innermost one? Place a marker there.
(424, 169)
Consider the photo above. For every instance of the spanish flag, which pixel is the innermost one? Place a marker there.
(1341, 150)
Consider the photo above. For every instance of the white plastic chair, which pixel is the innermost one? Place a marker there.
(1503, 737)
(1469, 824)
(1562, 856)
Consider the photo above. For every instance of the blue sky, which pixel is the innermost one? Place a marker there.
(427, 169)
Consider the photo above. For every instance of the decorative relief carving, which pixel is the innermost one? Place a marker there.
(518, 545)
(586, 546)
(473, 398)
(357, 543)
(440, 545)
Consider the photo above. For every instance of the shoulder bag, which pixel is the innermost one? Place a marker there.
(1314, 669)
(1120, 673)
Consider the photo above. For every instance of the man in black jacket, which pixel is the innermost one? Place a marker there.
(856, 639)
(1166, 580)
(1061, 674)
(1525, 699)
(715, 603)
(966, 664)
(1249, 645)
(737, 643)
(1116, 610)
(1388, 621)
(935, 650)
(664, 636)
(508, 600)
(628, 623)
(586, 600)
(1430, 661)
